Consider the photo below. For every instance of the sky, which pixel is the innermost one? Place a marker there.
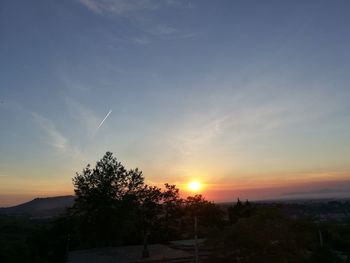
(250, 98)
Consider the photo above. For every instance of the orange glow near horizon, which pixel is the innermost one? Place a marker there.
(16, 190)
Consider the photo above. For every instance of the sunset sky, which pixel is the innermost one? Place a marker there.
(249, 98)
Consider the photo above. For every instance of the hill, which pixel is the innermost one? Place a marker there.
(40, 207)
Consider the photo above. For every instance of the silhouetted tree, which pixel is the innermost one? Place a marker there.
(149, 205)
(172, 213)
(208, 214)
(101, 186)
(106, 200)
(239, 210)
(267, 236)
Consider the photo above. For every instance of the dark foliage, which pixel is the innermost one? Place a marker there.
(239, 210)
(107, 205)
(113, 206)
(24, 240)
(268, 234)
(171, 217)
(209, 215)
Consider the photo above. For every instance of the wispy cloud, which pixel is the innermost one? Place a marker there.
(70, 82)
(198, 134)
(85, 118)
(118, 7)
(236, 123)
(142, 40)
(57, 139)
(162, 30)
(319, 191)
(54, 137)
(124, 7)
(137, 13)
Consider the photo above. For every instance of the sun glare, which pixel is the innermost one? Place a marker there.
(194, 186)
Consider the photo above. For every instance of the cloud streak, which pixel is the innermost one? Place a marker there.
(319, 191)
(119, 7)
(84, 117)
(140, 15)
(123, 7)
(55, 138)
(198, 134)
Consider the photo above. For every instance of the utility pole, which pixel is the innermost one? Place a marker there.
(321, 238)
(195, 239)
(145, 251)
(67, 246)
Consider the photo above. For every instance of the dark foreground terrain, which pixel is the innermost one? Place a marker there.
(300, 231)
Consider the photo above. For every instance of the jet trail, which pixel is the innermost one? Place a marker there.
(110, 111)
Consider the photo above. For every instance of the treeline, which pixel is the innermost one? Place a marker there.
(114, 206)
(32, 241)
(267, 234)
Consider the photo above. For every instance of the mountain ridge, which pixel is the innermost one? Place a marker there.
(41, 207)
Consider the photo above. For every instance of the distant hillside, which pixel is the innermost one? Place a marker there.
(41, 207)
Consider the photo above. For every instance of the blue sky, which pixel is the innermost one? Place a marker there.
(236, 94)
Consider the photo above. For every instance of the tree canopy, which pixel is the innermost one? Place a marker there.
(107, 202)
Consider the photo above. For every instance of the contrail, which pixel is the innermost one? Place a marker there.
(110, 111)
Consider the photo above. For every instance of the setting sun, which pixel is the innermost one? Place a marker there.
(194, 186)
